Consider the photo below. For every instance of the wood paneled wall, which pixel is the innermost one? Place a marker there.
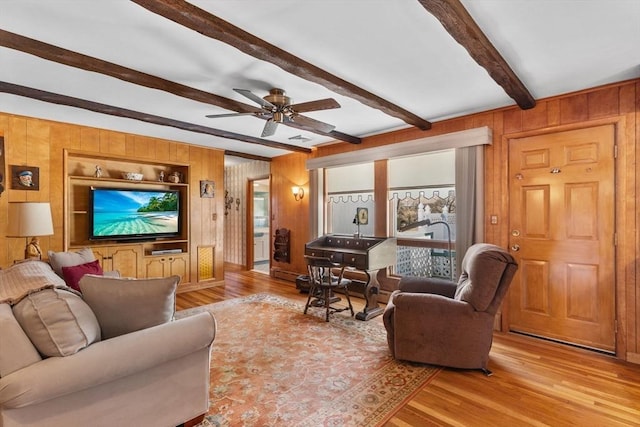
(40, 143)
(616, 103)
(290, 170)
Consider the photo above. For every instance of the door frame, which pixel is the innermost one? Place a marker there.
(249, 241)
(624, 251)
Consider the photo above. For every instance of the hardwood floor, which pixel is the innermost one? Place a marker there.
(535, 383)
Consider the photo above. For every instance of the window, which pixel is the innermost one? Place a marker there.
(422, 202)
(436, 178)
(349, 188)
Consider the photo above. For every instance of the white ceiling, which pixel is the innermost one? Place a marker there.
(392, 48)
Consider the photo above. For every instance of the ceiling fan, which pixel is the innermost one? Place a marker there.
(277, 108)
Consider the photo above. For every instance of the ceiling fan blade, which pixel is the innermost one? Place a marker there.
(320, 104)
(304, 122)
(255, 98)
(216, 116)
(269, 128)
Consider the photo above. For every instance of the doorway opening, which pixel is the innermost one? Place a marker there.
(258, 226)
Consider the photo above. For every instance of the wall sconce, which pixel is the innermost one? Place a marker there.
(30, 219)
(298, 193)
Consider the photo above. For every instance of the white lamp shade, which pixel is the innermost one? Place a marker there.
(28, 219)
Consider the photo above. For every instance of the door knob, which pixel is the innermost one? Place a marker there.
(515, 248)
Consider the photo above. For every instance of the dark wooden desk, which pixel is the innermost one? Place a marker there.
(367, 254)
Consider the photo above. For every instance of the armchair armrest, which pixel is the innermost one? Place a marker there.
(431, 285)
(107, 361)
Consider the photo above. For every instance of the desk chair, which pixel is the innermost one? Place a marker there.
(322, 283)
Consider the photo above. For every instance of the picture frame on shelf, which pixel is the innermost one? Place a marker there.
(25, 178)
(207, 189)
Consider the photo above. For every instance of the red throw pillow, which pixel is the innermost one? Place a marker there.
(72, 275)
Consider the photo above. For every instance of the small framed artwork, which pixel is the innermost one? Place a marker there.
(25, 178)
(207, 189)
(362, 214)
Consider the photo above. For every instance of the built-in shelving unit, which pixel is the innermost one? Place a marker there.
(135, 258)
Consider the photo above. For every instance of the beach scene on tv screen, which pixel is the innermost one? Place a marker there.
(122, 213)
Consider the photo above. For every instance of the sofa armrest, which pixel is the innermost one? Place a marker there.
(107, 361)
(429, 285)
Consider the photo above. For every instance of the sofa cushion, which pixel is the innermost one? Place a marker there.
(69, 259)
(73, 274)
(58, 323)
(128, 305)
(16, 351)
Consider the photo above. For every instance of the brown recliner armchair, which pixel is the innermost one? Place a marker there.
(437, 321)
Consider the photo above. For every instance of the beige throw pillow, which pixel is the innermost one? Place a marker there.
(128, 305)
(69, 259)
(58, 323)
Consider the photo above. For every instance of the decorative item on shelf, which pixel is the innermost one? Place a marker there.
(228, 200)
(25, 177)
(30, 219)
(281, 246)
(175, 177)
(207, 189)
(161, 176)
(98, 173)
(298, 193)
(132, 176)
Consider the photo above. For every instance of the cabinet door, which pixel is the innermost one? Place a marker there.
(125, 259)
(167, 266)
(103, 255)
(178, 265)
(154, 267)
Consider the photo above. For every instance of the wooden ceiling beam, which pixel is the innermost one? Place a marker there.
(246, 156)
(84, 62)
(205, 23)
(84, 104)
(461, 26)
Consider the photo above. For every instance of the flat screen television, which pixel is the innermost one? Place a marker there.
(129, 214)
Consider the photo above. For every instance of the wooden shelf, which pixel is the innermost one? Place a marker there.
(128, 181)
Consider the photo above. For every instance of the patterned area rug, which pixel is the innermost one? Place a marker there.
(274, 366)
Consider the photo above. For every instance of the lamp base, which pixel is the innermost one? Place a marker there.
(33, 251)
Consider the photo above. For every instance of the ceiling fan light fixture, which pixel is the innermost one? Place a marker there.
(278, 117)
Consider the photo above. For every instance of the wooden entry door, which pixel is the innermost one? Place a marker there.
(562, 235)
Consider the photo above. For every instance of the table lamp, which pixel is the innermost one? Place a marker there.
(30, 219)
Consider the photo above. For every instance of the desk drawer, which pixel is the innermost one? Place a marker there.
(359, 261)
(315, 252)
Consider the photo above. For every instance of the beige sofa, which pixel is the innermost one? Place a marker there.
(71, 360)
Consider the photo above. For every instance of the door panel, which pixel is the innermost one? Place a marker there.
(562, 222)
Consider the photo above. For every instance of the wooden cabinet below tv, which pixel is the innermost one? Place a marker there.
(126, 259)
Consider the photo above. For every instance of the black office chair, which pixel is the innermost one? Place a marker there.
(322, 283)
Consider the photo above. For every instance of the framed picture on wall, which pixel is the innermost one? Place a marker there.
(25, 178)
(207, 189)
